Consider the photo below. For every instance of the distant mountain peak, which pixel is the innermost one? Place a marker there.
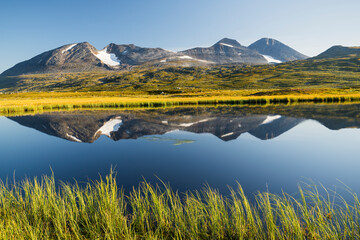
(228, 42)
(339, 51)
(276, 49)
(269, 41)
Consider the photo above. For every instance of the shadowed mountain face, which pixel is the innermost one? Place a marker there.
(68, 58)
(276, 50)
(225, 124)
(134, 55)
(275, 128)
(227, 51)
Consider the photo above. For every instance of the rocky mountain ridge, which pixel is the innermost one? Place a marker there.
(83, 57)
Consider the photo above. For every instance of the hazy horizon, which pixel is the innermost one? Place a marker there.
(30, 28)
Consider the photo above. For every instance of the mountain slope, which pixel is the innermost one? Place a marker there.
(83, 57)
(276, 50)
(68, 58)
(272, 129)
(226, 51)
(134, 55)
(338, 52)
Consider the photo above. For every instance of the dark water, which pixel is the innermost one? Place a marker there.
(262, 148)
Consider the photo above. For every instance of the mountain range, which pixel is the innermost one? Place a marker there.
(83, 57)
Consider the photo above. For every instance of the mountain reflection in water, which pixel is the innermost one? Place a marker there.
(263, 123)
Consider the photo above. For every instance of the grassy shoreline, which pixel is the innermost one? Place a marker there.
(47, 102)
(38, 209)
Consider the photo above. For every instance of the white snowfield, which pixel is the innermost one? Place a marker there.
(227, 45)
(190, 124)
(270, 119)
(73, 138)
(227, 134)
(271, 59)
(110, 126)
(195, 59)
(108, 58)
(185, 57)
(68, 48)
(201, 60)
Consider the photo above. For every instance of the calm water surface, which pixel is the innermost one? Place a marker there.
(262, 148)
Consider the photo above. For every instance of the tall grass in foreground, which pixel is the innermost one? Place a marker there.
(38, 209)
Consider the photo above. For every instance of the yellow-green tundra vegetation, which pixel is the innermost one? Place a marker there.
(314, 80)
(323, 80)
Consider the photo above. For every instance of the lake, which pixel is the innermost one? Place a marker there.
(262, 147)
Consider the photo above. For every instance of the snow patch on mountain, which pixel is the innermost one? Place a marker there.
(73, 138)
(68, 48)
(185, 57)
(227, 134)
(227, 45)
(270, 119)
(190, 124)
(110, 126)
(109, 59)
(271, 59)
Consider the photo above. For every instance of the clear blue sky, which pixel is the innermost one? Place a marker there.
(28, 28)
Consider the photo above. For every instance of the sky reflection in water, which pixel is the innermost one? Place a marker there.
(190, 157)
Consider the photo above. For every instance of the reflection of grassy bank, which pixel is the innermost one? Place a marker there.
(176, 142)
(39, 102)
(38, 210)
